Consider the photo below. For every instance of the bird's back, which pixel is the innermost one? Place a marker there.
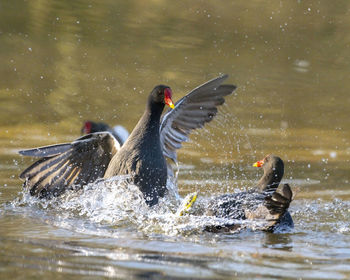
(142, 158)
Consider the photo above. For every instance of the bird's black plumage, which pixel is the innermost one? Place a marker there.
(141, 155)
(119, 132)
(99, 155)
(261, 202)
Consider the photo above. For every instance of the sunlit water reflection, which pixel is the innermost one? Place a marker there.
(64, 62)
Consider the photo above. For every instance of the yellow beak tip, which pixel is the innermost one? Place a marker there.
(172, 106)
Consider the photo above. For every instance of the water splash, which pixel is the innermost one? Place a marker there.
(333, 214)
(117, 204)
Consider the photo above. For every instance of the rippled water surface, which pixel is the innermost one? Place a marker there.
(63, 62)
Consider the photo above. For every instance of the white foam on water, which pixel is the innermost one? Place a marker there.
(114, 203)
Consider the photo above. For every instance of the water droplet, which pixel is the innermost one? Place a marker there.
(333, 154)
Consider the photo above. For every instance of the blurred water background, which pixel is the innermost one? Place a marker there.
(63, 62)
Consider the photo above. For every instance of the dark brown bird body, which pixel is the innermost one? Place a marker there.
(142, 156)
(261, 202)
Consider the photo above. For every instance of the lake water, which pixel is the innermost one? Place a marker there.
(63, 62)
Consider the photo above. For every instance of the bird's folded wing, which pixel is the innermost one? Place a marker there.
(71, 164)
(272, 210)
(278, 203)
(191, 112)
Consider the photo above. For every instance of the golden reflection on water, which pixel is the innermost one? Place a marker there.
(67, 62)
(63, 62)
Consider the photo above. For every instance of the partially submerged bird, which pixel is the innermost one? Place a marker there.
(99, 155)
(262, 202)
(119, 132)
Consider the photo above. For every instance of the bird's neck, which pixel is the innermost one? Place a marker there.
(148, 125)
(152, 114)
(269, 181)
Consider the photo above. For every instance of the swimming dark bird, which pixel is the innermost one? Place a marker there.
(263, 202)
(119, 132)
(99, 155)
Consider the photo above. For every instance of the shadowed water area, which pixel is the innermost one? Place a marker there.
(63, 62)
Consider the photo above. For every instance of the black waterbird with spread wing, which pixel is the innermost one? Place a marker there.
(142, 156)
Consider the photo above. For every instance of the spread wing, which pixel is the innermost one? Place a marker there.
(191, 112)
(66, 165)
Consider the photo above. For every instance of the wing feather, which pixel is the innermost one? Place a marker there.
(70, 164)
(46, 151)
(192, 112)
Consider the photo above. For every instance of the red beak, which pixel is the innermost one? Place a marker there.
(259, 163)
(167, 98)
